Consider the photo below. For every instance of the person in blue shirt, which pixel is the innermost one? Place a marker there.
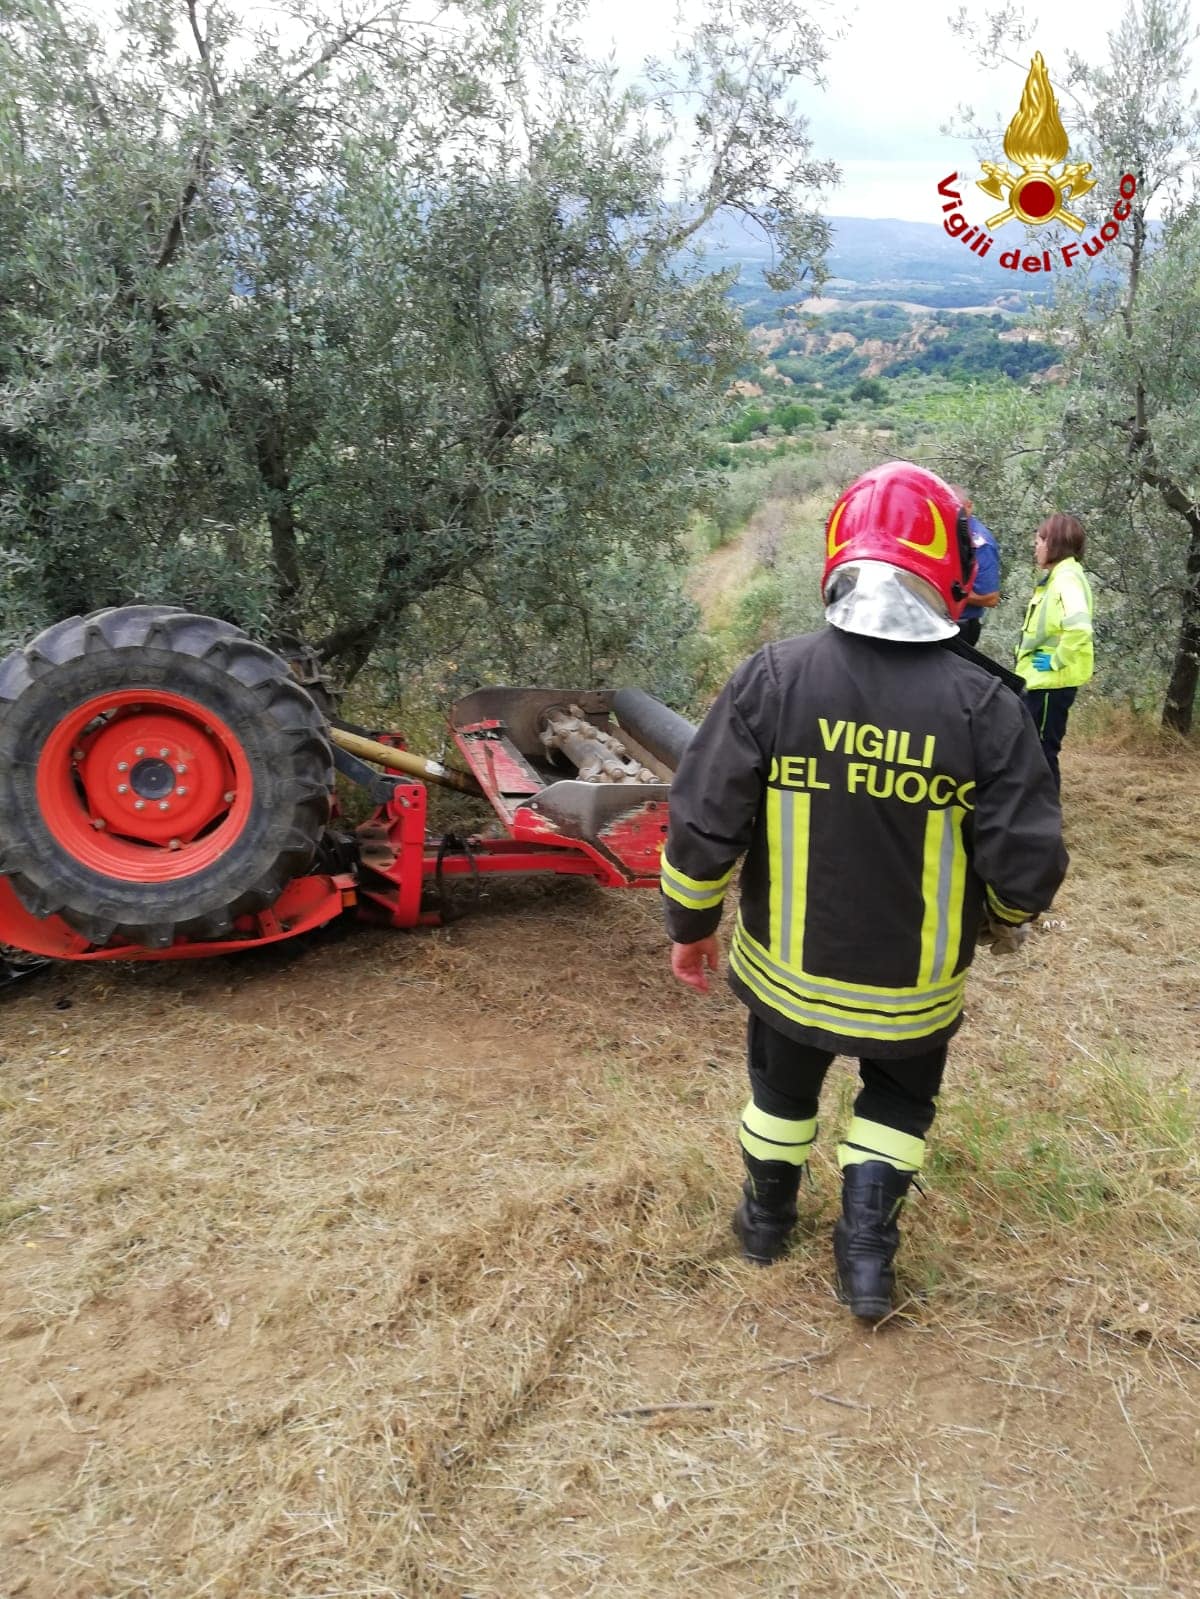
(986, 590)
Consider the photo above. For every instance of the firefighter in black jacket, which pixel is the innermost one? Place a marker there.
(887, 794)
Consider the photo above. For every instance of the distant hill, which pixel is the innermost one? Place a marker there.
(917, 263)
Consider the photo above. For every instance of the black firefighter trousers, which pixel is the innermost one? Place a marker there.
(786, 1079)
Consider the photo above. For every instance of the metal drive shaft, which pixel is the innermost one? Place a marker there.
(404, 761)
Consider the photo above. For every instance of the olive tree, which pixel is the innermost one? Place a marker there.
(1124, 455)
(398, 318)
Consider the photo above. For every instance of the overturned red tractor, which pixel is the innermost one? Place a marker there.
(167, 790)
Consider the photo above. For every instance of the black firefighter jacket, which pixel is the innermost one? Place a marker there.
(880, 793)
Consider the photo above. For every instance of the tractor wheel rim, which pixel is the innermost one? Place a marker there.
(144, 785)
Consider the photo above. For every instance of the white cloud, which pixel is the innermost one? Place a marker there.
(895, 77)
(896, 74)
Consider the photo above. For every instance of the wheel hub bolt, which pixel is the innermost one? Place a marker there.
(98, 824)
(122, 766)
(174, 844)
(229, 797)
(181, 769)
(76, 755)
(122, 788)
(164, 753)
(139, 805)
(182, 789)
(141, 750)
(164, 805)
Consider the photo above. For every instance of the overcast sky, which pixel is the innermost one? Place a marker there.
(893, 80)
(895, 76)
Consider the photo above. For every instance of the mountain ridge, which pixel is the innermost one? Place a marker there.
(891, 259)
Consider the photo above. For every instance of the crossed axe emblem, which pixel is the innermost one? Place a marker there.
(1001, 184)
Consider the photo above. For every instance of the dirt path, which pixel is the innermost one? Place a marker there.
(399, 1265)
(722, 572)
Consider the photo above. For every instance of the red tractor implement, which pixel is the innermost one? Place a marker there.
(167, 790)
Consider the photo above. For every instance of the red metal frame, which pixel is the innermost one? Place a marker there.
(625, 854)
(396, 857)
(393, 844)
(306, 903)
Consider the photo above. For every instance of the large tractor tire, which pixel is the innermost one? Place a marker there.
(160, 774)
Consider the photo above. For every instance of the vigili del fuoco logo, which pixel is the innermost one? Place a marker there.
(1036, 194)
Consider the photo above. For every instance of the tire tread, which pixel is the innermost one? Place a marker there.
(49, 881)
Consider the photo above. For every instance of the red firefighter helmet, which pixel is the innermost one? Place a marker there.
(905, 517)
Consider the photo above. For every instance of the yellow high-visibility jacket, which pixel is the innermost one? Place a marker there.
(880, 792)
(1059, 621)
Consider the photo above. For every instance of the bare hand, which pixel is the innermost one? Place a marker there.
(1004, 937)
(691, 963)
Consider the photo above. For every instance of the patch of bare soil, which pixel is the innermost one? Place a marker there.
(399, 1264)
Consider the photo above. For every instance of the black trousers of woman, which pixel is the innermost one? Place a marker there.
(1050, 708)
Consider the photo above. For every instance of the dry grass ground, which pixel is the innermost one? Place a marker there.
(399, 1265)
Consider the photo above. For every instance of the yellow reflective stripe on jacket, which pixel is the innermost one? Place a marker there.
(777, 976)
(868, 1140)
(1005, 913)
(693, 892)
(943, 872)
(787, 848)
(1073, 653)
(862, 996)
(853, 1010)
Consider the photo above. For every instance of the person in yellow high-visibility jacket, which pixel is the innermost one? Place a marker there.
(1054, 655)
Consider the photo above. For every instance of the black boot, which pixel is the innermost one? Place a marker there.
(866, 1236)
(766, 1212)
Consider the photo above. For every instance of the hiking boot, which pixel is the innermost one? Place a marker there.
(866, 1236)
